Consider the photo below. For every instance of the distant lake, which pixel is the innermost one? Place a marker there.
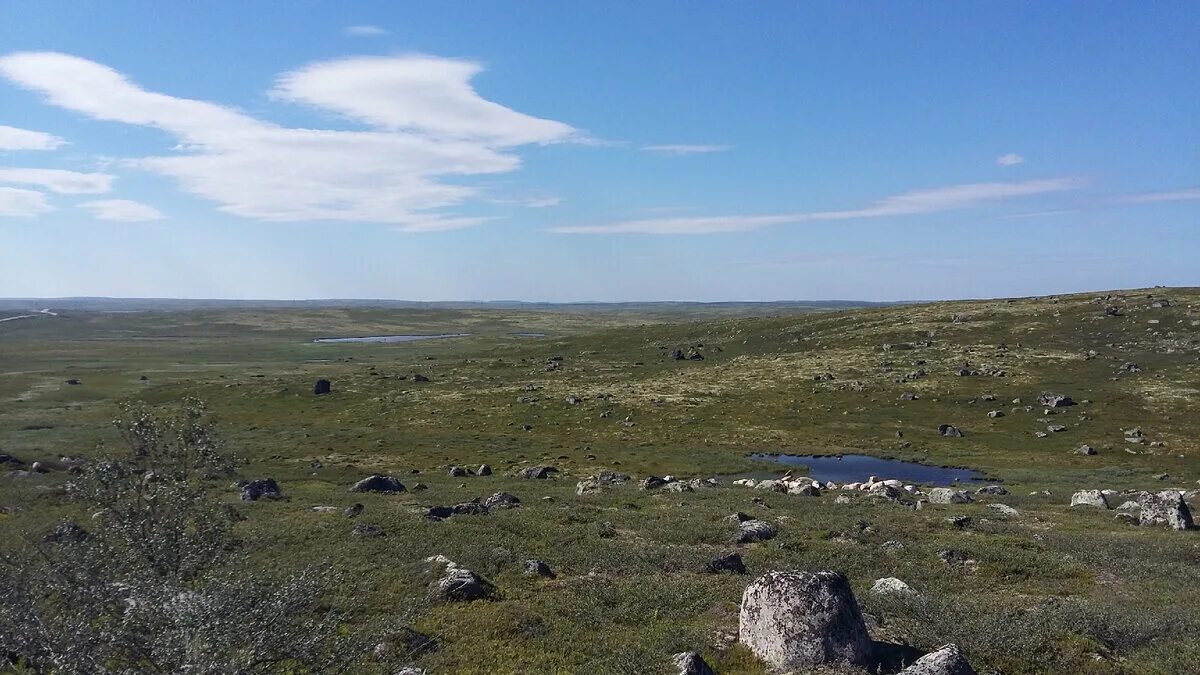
(858, 468)
(390, 338)
(530, 334)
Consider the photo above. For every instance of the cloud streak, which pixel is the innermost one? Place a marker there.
(12, 138)
(426, 125)
(1185, 194)
(364, 31)
(1011, 159)
(60, 181)
(123, 210)
(681, 149)
(19, 203)
(934, 200)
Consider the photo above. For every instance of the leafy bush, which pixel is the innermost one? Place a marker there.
(155, 582)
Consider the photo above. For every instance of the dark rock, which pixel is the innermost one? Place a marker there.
(417, 377)
(353, 511)
(322, 387)
(67, 532)
(460, 472)
(652, 482)
(538, 568)
(729, 562)
(259, 489)
(992, 490)
(538, 472)
(485, 470)
(949, 431)
(74, 381)
(377, 483)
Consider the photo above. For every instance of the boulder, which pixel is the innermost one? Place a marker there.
(460, 472)
(891, 586)
(1165, 508)
(538, 568)
(588, 486)
(949, 431)
(751, 531)
(653, 482)
(1085, 450)
(538, 472)
(992, 490)
(484, 470)
(378, 483)
(353, 511)
(729, 562)
(1093, 498)
(947, 660)
(800, 621)
(1004, 510)
(259, 489)
(949, 496)
(322, 387)
(691, 663)
(1054, 400)
(458, 584)
(502, 500)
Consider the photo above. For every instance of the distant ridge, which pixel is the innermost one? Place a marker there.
(90, 304)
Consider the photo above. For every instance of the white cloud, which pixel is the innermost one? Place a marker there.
(60, 181)
(1185, 194)
(122, 209)
(395, 173)
(684, 149)
(1011, 159)
(364, 31)
(933, 200)
(12, 138)
(423, 94)
(22, 203)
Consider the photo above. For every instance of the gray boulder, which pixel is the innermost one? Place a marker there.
(751, 531)
(538, 568)
(1055, 400)
(1092, 498)
(538, 472)
(458, 584)
(729, 562)
(1165, 508)
(691, 663)
(502, 500)
(949, 496)
(377, 483)
(800, 621)
(485, 470)
(321, 387)
(891, 586)
(947, 660)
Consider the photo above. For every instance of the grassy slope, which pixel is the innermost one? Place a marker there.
(1053, 589)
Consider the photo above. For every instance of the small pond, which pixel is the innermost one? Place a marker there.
(858, 468)
(391, 338)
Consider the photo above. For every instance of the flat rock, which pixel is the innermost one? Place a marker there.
(378, 483)
(947, 660)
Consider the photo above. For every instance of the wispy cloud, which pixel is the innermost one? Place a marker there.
(18, 203)
(12, 138)
(60, 181)
(124, 210)
(1185, 194)
(364, 31)
(950, 198)
(1010, 159)
(684, 149)
(425, 121)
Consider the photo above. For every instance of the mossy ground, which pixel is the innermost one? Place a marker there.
(1052, 590)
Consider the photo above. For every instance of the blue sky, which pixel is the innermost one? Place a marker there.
(597, 151)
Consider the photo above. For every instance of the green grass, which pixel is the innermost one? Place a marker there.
(1053, 590)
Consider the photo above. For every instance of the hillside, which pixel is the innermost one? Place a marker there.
(1047, 587)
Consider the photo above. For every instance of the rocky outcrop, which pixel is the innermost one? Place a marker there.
(949, 496)
(691, 663)
(1092, 498)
